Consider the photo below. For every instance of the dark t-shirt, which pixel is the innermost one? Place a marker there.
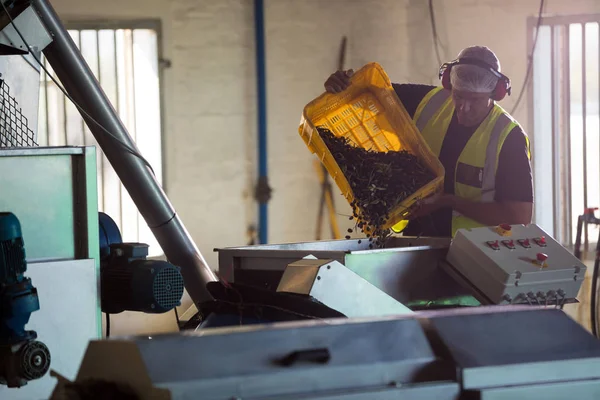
(514, 181)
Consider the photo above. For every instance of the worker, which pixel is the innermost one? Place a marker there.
(484, 151)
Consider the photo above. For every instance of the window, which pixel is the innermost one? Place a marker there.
(566, 124)
(125, 60)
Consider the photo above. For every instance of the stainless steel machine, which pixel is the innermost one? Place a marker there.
(421, 318)
(483, 266)
(503, 352)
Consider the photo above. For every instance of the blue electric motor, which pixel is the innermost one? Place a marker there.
(22, 358)
(129, 281)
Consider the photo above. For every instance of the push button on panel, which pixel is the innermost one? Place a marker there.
(509, 244)
(494, 244)
(525, 243)
(541, 259)
(540, 241)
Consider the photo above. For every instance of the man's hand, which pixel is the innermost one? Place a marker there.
(432, 204)
(339, 81)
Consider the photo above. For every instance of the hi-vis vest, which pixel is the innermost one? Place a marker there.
(475, 174)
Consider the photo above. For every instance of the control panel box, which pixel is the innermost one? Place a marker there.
(517, 264)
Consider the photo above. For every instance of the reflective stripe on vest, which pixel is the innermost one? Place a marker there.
(430, 104)
(488, 184)
(433, 117)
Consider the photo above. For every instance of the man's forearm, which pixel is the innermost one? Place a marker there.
(494, 213)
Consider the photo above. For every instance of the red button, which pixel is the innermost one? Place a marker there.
(541, 257)
(494, 245)
(506, 227)
(543, 240)
(526, 242)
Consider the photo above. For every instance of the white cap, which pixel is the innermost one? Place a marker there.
(472, 78)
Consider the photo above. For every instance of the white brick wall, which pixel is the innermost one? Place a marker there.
(210, 123)
(207, 133)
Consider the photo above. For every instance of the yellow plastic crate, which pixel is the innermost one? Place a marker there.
(371, 116)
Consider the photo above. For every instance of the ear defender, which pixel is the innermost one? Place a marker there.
(445, 76)
(502, 88)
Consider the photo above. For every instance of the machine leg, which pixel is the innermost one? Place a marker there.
(577, 249)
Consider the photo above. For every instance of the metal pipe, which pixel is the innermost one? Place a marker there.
(64, 116)
(584, 131)
(567, 96)
(554, 131)
(134, 110)
(118, 109)
(261, 90)
(140, 182)
(102, 167)
(46, 111)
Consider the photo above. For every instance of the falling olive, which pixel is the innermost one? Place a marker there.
(380, 181)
